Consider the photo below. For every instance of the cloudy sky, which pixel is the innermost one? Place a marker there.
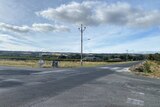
(52, 25)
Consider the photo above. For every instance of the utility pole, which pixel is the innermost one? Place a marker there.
(82, 29)
(127, 55)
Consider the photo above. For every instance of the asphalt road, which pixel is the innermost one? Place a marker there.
(107, 86)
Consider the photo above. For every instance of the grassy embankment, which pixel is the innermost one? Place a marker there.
(63, 64)
(148, 68)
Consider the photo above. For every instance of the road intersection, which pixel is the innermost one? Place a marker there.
(106, 86)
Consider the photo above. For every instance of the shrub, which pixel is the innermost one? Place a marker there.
(147, 67)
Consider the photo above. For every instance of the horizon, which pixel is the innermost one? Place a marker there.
(145, 52)
(52, 26)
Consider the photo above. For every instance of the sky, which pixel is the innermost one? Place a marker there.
(112, 26)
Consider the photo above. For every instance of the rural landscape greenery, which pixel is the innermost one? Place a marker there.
(149, 67)
(79, 53)
(30, 59)
(108, 27)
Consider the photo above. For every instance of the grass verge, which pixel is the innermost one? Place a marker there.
(62, 64)
(148, 68)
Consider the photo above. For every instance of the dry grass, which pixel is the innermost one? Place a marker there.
(27, 63)
(62, 64)
(154, 69)
(71, 64)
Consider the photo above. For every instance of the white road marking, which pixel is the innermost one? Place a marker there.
(117, 69)
(139, 93)
(123, 70)
(111, 68)
(135, 102)
(104, 67)
(46, 72)
(33, 83)
(14, 80)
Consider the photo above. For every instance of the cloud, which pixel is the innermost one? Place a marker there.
(48, 27)
(74, 13)
(119, 13)
(37, 27)
(9, 42)
(8, 27)
(5, 38)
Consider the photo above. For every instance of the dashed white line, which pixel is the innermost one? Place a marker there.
(14, 80)
(46, 72)
(135, 102)
(139, 93)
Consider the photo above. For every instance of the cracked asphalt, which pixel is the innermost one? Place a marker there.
(107, 86)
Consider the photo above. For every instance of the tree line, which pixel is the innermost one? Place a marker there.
(77, 56)
(155, 57)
